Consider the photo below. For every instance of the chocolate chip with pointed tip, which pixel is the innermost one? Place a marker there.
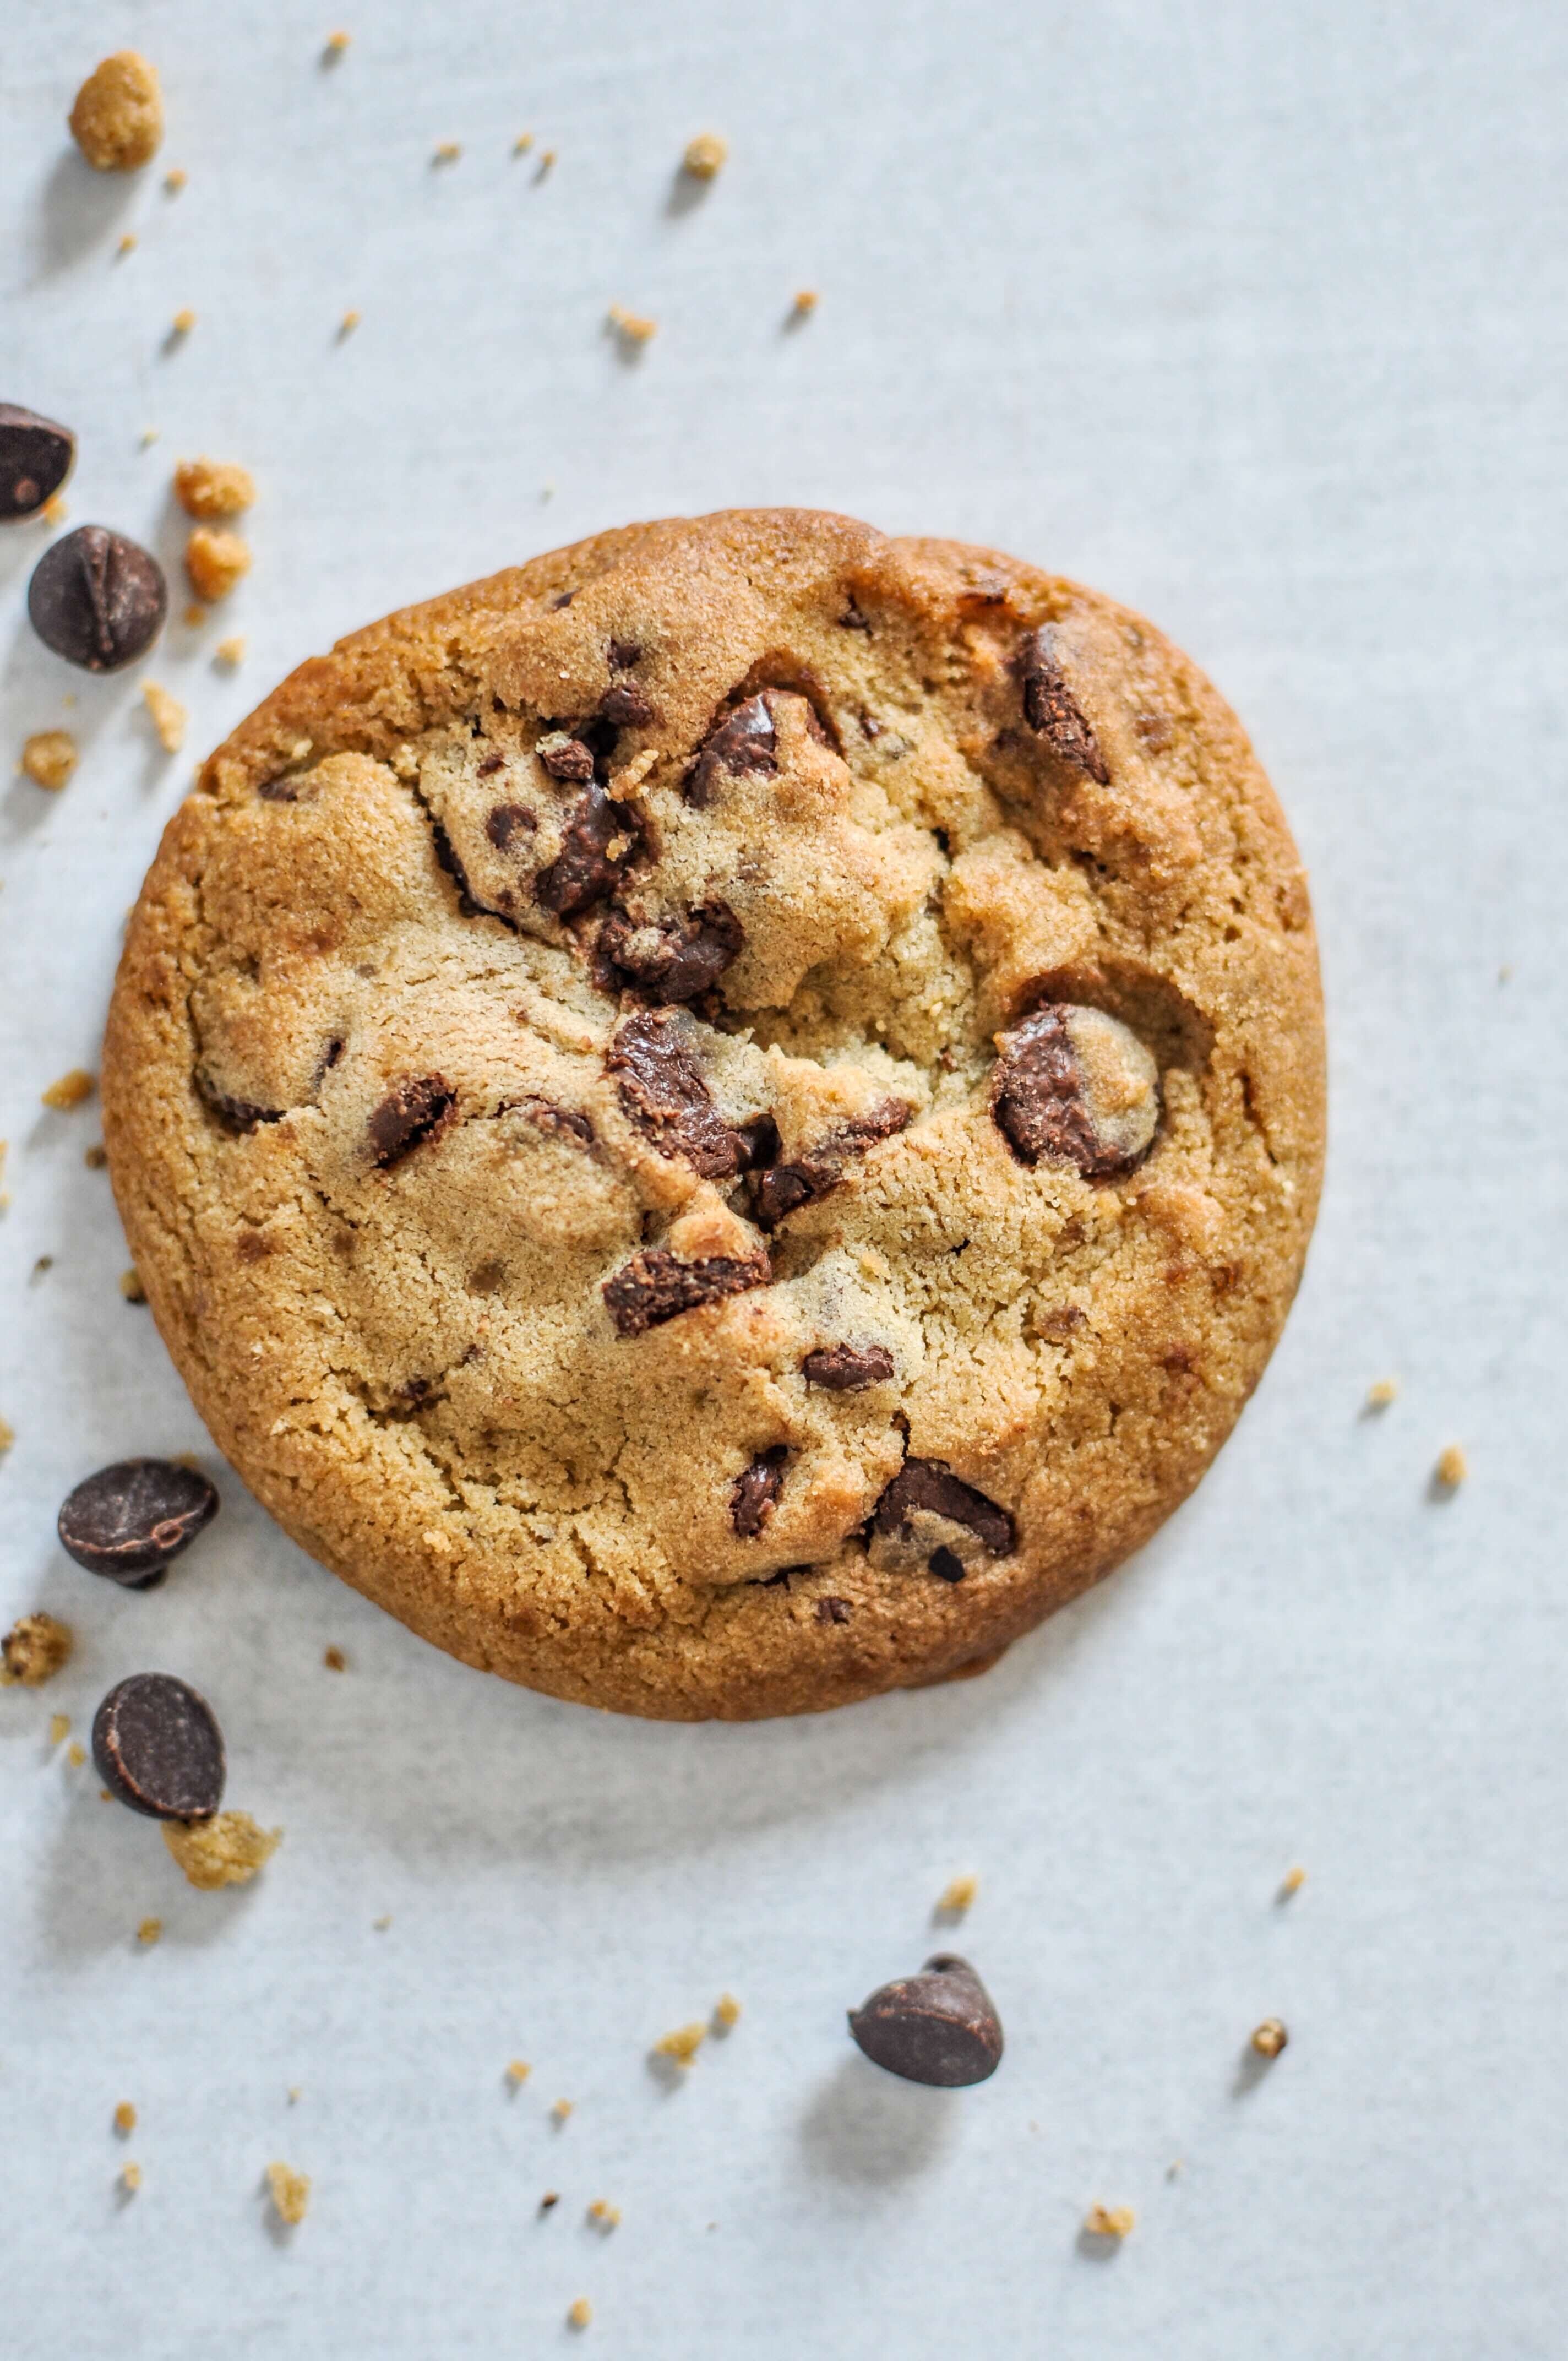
(158, 1747)
(130, 1520)
(938, 2028)
(754, 1494)
(745, 740)
(97, 600)
(1051, 710)
(35, 456)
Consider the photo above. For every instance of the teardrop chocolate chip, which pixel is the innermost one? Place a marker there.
(97, 600)
(938, 2028)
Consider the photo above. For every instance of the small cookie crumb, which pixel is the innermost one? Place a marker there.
(184, 320)
(230, 653)
(127, 242)
(518, 2071)
(545, 161)
(174, 181)
(214, 487)
(1451, 1467)
(1292, 1881)
(169, 715)
(727, 2011)
(1269, 2037)
(447, 152)
(604, 2215)
(380, 1924)
(581, 2313)
(334, 1660)
(562, 2109)
(1381, 1395)
(681, 2045)
(125, 2119)
(225, 1850)
(148, 437)
(705, 155)
(523, 142)
(804, 302)
(59, 1728)
(131, 1287)
(117, 119)
(130, 2178)
(48, 757)
(195, 616)
(956, 1896)
(215, 562)
(96, 1156)
(7, 1436)
(290, 2193)
(1110, 2221)
(33, 1651)
(335, 45)
(151, 1929)
(76, 1755)
(70, 1089)
(348, 322)
(630, 326)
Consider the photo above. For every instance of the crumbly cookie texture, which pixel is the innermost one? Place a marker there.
(725, 1119)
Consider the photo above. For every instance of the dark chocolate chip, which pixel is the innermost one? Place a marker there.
(158, 1747)
(490, 765)
(509, 820)
(236, 1114)
(745, 741)
(1038, 1099)
(131, 1521)
(566, 758)
(669, 959)
(783, 1188)
(655, 1287)
(585, 869)
(35, 460)
(412, 1110)
(927, 1484)
(758, 1142)
(832, 1610)
(626, 705)
(754, 1494)
(940, 2027)
(664, 1093)
(563, 598)
(1051, 710)
(622, 655)
(946, 1563)
(852, 620)
(843, 1370)
(558, 1122)
(97, 600)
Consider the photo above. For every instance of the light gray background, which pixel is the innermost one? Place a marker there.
(1254, 316)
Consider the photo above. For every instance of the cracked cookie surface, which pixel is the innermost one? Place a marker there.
(723, 1120)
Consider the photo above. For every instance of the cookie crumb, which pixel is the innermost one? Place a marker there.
(230, 653)
(48, 758)
(681, 2045)
(76, 1755)
(295, 2093)
(562, 2109)
(225, 1850)
(125, 2119)
(956, 1896)
(630, 326)
(151, 1929)
(1291, 1883)
(214, 487)
(335, 47)
(290, 2193)
(7, 1436)
(127, 242)
(726, 2013)
(130, 2178)
(1269, 2037)
(523, 142)
(175, 180)
(347, 324)
(148, 437)
(334, 1660)
(603, 2215)
(215, 562)
(117, 118)
(447, 152)
(169, 715)
(581, 2313)
(518, 2071)
(705, 155)
(33, 1651)
(545, 161)
(1452, 1468)
(70, 1089)
(59, 1728)
(195, 616)
(550, 2197)
(131, 1287)
(1110, 2221)
(184, 320)
(380, 1924)
(1381, 1395)
(804, 302)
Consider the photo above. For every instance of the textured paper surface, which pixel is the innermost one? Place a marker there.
(1253, 317)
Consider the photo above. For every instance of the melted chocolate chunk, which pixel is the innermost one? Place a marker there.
(1037, 1101)
(585, 869)
(558, 1122)
(131, 1521)
(509, 820)
(622, 654)
(566, 758)
(940, 2027)
(412, 1111)
(783, 1188)
(758, 1142)
(1051, 710)
(745, 740)
(842, 1369)
(654, 1287)
(158, 1747)
(670, 960)
(97, 600)
(928, 1485)
(625, 705)
(490, 765)
(35, 460)
(237, 1115)
(664, 1092)
(755, 1491)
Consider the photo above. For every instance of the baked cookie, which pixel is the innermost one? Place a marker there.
(725, 1119)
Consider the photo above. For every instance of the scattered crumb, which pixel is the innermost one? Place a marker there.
(631, 327)
(1292, 1881)
(705, 156)
(294, 2093)
(225, 1850)
(148, 437)
(334, 1660)
(169, 715)
(518, 2071)
(550, 2197)
(127, 242)
(76, 1755)
(447, 152)
(335, 45)
(117, 119)
(1451, 1467)
(545, 161)
(1110, 2221)
(604, 2215)
(562, 2109)
(1172, 2171)
(291, 2192)
(174, 181)
(184, 320)
(215, 562)
(151, 1929)
(7, 1436)
(348, 322)
(956, 1896)
(382, 1925)
(214, 487)
(523, 142)
(581, 2313)
(195, 617)
(48, 757)
(1269, 2037)
(54, 511)
(59, 1728)
(1381, 1395)
(33, 1651)
(125, 2119)
(130, 2178)
(230, 651)
(727, 2012)
(805, 303)
(70, 1089)
(131, 1287)
(681, 2045)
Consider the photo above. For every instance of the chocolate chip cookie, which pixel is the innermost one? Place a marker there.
(725, 1119)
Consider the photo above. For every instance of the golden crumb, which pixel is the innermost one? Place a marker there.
(7, 1436)
(348, 322)
(59, 1728)
(48, 757)
(1269, 2037)
(1293, 1881)
(805, 303)
(727, 2011)
(117, 120)
(562, 2109)
(956, 1896)
(148, 437)
(151, 1929)
(681, 2045)
(215, 562)
(705, 156)
(226, 1851)
(523, 142)
(581, 2313)
(127, 242)
(1381, 1395)
(334, 1660)
(195, 616)
(184, 320)
(125, 2119)
(630, 326)
(54, 511)
(33, 1651)
(547, 160)
(230, 651)
(335, 44)
(1451, 1467)
(130, 2178)
(131, 1287)
(294, 2093)
(76, 1755)
(169, 715)
(447, 151)
(550, 2197)
(519, 2070)
(1110, 2221)
(291, 2192)
(175, 181)
(604, 2215)
(214, 487)
(70, 1089)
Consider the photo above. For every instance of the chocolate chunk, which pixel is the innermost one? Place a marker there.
(97, 600)
(1043, 1102)
(558, 1122)
(758, 1139)
(654, 1287)
(852, 620)
(35, 460)
(626, 705)
(783, 1188)
(490, 765)
(236, 1114)
(946, 1562)
(622, 654)
(927, 1485)
(843, 1370)
(745, 740)
(158, 1747)
(754, 1494)
(940, 2027)
(566, 758)
(832, 1610)
(509, 820)
(412, 1110)
(585, 869)
(664, 1092)
(672, 958)
(131, 1521)
(1051, 710)
(563, 598)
